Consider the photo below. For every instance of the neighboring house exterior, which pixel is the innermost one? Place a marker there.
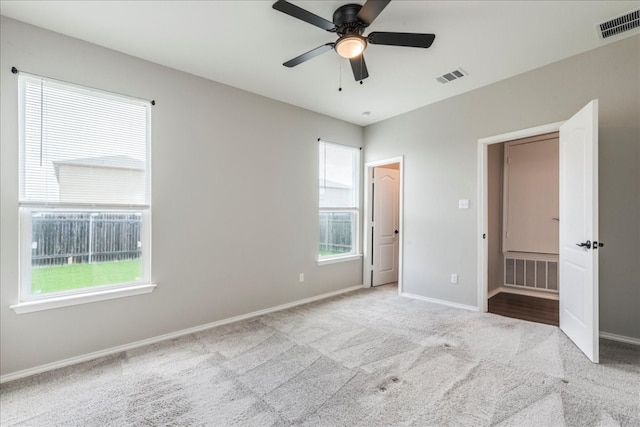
(115, 179)
(334, 194)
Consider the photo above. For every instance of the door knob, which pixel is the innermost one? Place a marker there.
(586, 244)
(396, 232)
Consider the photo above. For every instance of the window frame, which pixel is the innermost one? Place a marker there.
(355, 253)
(28, 301)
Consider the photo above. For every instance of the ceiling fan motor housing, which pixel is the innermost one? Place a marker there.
(346, 20)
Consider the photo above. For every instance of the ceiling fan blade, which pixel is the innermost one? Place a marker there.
(359, 68)
(371, 9)
(309, 55)
(401, 39)
(304, 15)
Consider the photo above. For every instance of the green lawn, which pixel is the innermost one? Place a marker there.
(325, 253)
(66, 277)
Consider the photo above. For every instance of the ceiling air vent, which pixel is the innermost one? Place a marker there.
(451, 76)
(619, 24)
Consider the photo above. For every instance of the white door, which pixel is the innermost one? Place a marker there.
(579, 230)
(386, 185)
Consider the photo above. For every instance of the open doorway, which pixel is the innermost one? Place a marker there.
(579, 242)
(383, 223)
(523, 227)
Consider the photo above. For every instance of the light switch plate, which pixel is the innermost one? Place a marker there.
(463, 204)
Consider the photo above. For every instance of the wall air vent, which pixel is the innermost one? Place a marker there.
(618, 25)
(451, 76)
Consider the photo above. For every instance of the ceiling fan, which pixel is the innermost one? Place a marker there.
(349, 22)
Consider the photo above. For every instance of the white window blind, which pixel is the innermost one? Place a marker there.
(338, 175)
(82, 146)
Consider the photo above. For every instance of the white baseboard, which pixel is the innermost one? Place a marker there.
(526, 292)
(440, 301)
(118, 349)
(619, 338)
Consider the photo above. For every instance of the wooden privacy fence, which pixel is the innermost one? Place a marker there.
(84, 237)
(335, 231)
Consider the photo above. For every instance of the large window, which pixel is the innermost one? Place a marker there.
(339, 200)
(84, 190)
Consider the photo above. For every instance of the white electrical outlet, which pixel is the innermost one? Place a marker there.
(454, 278)
(301, 278)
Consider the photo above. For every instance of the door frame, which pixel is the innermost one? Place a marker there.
(483, 208)
(368, 208)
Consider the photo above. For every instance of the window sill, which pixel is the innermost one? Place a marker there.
(335, 260)
(67, 300)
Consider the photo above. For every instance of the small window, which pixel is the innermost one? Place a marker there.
(84, 189)
(339, 200)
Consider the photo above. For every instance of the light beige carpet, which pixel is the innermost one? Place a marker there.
(367, 358)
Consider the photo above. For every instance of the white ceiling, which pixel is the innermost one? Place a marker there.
(244, 43)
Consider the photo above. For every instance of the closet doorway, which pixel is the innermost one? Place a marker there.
(523, 227)
(579, 243)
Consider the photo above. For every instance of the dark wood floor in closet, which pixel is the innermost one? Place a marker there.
(523, 307)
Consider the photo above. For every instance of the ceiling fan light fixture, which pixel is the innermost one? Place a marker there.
(351, 46)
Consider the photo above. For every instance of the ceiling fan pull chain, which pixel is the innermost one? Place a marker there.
(339, 76)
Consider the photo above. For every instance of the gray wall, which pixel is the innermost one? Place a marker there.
(440, 145)
(234, 202)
